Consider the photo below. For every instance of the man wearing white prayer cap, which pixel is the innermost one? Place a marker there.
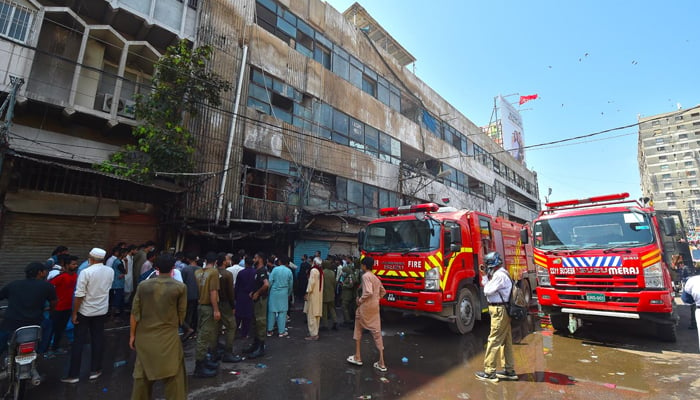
(89, 313)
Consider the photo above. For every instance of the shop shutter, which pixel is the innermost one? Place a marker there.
(32, 237)
(309, 247)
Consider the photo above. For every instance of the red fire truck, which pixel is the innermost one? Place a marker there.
(607, 257)
(427, 258)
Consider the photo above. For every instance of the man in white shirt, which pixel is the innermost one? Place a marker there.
(89, 313)
(497, 288)
(692, 287)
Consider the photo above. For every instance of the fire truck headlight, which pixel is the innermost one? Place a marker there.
(432, 279)
(542, 276)
(653, 276)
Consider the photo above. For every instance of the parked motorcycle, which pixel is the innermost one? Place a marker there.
(19, 365)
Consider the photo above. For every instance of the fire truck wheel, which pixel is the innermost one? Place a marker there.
(666, 332)
(465, 312)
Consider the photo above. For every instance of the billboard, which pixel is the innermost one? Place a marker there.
(512, 130)
(493, 131)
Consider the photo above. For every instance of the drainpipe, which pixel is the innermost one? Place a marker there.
(220, 206)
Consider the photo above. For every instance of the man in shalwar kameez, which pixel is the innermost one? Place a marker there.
(313, 307)
(158, 309)
(367, 314)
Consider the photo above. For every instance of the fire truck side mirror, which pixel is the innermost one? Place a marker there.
(361, 237)
(668, 226)
(524, 236)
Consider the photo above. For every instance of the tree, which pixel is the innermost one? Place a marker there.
(181, 84)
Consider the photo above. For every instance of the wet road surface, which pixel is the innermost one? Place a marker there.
(600, 361)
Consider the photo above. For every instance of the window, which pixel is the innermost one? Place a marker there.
(678, 118)
(670, 195)
(697, 123)
(691, 173)
(664, 167)
(659, 140)
(322, 55)
(671, 203)
(661, 148)
(668, 186)
(663, 158)
(682, 136)
(655, 123)
(665, 176)
(687, 163)
(369, 86)
(15, 21)
(693, 183)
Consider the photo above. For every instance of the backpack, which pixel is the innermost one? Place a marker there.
(516, 304)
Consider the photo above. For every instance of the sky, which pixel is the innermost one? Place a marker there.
(595, 65)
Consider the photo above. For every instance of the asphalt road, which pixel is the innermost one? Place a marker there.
(600, 361)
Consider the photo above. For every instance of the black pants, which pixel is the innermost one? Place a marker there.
(59, 319)
(191, 315)
(90, 329)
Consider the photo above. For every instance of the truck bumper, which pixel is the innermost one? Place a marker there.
(429, 302)
(646, 305)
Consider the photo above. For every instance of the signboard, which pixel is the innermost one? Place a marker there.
(512, 130)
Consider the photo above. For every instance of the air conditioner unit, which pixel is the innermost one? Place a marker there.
(109, 103)
(129, 109)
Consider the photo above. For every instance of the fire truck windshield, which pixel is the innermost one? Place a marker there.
(402, 236)
(594, 231)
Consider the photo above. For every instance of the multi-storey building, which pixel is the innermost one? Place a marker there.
(80, 64)
(669, 156)
(333, 126)
(326, 124)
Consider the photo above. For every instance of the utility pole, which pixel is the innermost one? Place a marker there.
(8, 107)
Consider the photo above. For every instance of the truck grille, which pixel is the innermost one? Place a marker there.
(402, 284)
(601, 283)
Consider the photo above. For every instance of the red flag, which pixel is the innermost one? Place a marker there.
(525, 99)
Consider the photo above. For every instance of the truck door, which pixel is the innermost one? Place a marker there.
(486, 236)
(678, 243)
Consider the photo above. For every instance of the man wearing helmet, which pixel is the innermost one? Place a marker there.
(497, 287)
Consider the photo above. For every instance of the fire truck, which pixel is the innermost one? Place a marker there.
(427, 258)
(607, 257)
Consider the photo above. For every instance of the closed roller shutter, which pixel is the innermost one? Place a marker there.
(342, 248)
(309, 247)
(32, 237)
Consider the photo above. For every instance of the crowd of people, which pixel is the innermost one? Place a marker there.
(172, 298)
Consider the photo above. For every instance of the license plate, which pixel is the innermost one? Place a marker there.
(597, 297)
(390, 297)
(25, 359)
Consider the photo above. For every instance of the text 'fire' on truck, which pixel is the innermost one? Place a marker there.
(607, 257)
(427, 257)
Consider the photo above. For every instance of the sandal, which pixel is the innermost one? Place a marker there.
(378, 367)
(352, 360)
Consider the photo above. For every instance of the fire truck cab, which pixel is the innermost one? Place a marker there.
(605, 257)
(427, 258)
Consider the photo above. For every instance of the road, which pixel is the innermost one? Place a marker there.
(600, 361)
